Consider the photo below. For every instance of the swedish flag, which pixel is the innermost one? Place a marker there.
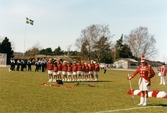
(29, 21)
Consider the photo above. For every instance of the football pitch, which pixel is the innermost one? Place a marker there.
(24, 92)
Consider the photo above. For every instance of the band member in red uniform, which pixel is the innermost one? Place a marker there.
(83, 71)
(59, 69)
(146, 73)
(64, 71)
(79, 71)
(55, 70)
(163, 74)
(74, 71)
(91, 70)
(96, 70)
(86, 71)
(69, 72)
(50, 69)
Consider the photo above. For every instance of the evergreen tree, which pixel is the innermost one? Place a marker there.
(5, 47)
(123, 50)
(47, 51)
(106, 59)
(58, 51)
(118, 48)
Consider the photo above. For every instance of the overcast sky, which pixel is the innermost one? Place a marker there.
(60, 22)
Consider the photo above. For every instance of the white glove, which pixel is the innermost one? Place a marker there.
(129, 77)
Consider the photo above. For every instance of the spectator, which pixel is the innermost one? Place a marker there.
(162, 73)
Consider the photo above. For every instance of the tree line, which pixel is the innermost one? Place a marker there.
(95, 42)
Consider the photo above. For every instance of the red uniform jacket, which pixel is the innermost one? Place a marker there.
(64, 67)
(163, 70)
(83, 67)
(97, 67)
(145, 72)
(55, 69)
(86, 68)
(91, 67)
(74, 67)
(79, 67)
(69, 68)
(49, 65)
(59, 66)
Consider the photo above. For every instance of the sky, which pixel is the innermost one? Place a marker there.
(60, 22)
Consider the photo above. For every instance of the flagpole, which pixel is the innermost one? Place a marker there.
(24, 39)
(28, 21)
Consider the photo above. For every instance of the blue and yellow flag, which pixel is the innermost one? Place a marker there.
(29, 21)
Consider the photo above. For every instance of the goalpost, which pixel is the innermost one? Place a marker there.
(3, 59)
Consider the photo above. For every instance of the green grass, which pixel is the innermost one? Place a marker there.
(21, 92)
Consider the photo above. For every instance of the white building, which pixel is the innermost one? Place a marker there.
(126, 63)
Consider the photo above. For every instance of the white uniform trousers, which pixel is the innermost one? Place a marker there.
(162, 80)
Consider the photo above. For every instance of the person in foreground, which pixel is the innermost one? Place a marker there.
(146, 73)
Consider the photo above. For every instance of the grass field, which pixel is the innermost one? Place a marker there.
(22, 92)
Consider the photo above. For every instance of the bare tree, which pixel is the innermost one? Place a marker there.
(37, 45)
(141, 43)
(68, 49)
(34, 50)
(102, 47)
(89, 41)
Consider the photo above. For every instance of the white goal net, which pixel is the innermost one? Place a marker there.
(3, 58)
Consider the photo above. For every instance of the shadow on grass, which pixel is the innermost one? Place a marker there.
(81, 83)
(90, 81)
(162, 105)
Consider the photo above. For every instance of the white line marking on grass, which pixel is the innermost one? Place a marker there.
(127, 109)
